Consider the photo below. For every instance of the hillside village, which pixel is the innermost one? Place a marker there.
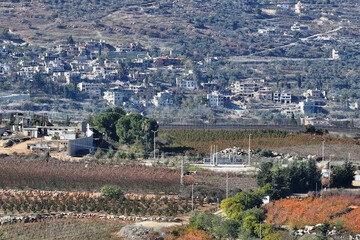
(130, 76)
(292, 74)
(273, 84)
(172, 120)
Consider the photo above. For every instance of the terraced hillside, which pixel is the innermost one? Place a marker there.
(191, 26)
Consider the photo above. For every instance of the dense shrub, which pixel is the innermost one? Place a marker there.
(236, 206)
(297, 177)
(111, 192)
(218, 226)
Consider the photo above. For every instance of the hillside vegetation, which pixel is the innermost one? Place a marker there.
(184, 23)
(221, 27)
(299, 213)
(199, 141)
(69, 229)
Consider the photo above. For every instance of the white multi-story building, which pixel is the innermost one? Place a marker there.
(307, 107)
(114, 97)
(163, 99)
(98, 71)
(245, 89)
(71, 76)
(313, 93)
(290, 110)
(54, 66)
(282, 97)
(285, 98)
(216, 99)
(186, 84)
(315, 121)
(93, 89)
(264, 93)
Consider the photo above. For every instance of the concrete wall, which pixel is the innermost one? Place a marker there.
(80, 144)
(2, 130)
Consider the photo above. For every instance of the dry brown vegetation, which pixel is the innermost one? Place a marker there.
(37, 22)
(56, 202)
(66, 229)
(31, 171)
(297, 213)
(199, 141)
(218, 180)
(339, 151)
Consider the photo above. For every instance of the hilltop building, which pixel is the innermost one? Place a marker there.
(216, 100)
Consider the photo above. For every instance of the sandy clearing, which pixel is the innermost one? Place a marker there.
(20, 148)
(153, 224)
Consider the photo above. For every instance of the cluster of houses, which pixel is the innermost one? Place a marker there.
(128, 76)
(298, 8)
(75, 140)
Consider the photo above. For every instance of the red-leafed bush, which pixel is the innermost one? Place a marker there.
(300, 212)
(352, 220)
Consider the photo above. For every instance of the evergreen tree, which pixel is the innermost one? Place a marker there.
(343, 175)
(280, 184)
(70, 40)
(264, 175)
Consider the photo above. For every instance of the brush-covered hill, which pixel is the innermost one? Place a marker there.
(221, 27)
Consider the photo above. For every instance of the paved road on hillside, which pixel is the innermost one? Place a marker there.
(252, 58)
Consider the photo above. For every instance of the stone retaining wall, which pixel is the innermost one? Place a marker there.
(8, 219)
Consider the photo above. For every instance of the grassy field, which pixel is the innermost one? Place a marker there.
(91, 229)
(199, 141)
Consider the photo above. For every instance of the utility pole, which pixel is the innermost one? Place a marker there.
(227, 184)
(182, 175)
(323, 151)
(249, 161)
(260, 231)
(192, 197)
(331, 155)
(216, 154)
(154, 143)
